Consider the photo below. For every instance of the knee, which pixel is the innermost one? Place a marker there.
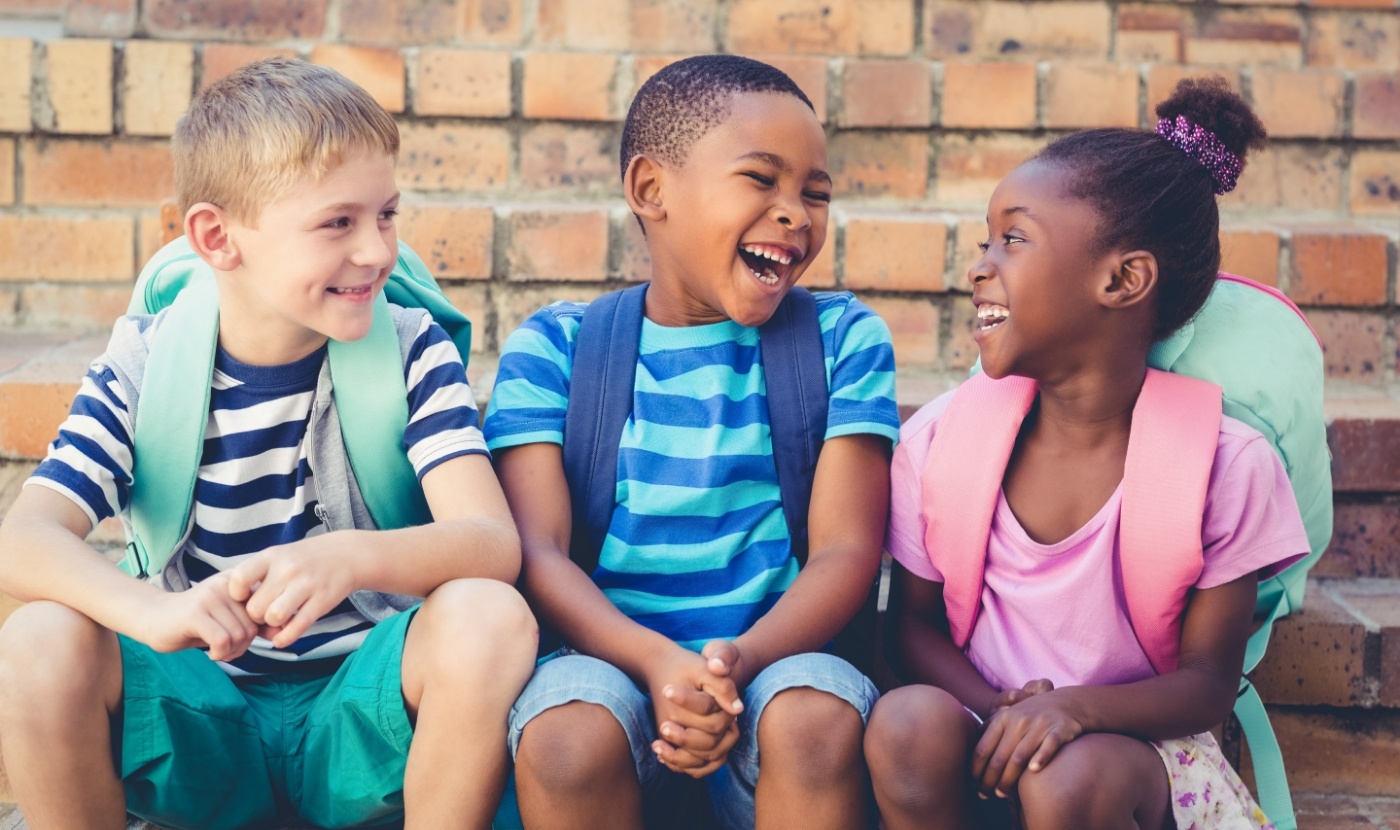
(917, 744)
(470, 623)
(50, 653)
(578, 749)
(817, 733)
(1062, 794)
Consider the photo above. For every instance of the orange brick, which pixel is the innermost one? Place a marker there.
(675, 25)
(32, 412)
(379, 71)
(1353, 343)
(887, 94)
(85, 173)
(1291, 178)
(1162, 81)
(570, 87)
(634, 264)
(454, 157)
(1352, 4)
(968, 234)
(80, 307)
(645, 66)
(1377, 106)
(1153, 33)
(810, 75)
(969, 169)
(1354, 40)
(961, 352)
(219, 59)
(16, 74)
(80, 85)
(493, 22)
(100, 18)
(456, 242)
(157, 82)
(150, 237)
(237, 21)
(513, 306)
(896, 252)
(474, 300)
(1252, 254)
(822, 272)
(1375, 182)
(913, 328)
(1338, 267)
(7, 171)
(66, 248)
(558, 244)
(462, 82)
(821, 27)
(989, 95)
(1079, 96)
(398, 21)
(577, 160)
(597, 24)
(1295, 670)
(1363, 543)
(1299, 104)
(1247, 37)
(869, 164)
(1016, 31)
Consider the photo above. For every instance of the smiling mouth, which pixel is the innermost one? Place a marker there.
(352, 291)
(990, 315)
(769, 263)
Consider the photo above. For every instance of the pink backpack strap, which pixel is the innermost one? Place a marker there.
(1272, 292)
(962, 482)
(1176, 427)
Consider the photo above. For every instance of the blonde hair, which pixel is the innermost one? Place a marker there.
(250, 137)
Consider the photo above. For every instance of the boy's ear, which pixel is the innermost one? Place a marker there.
(207, 228)
(641, 184)
(1133, 277)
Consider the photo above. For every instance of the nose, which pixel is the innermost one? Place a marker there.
(791, 213)
(376, 247)
(981, 270)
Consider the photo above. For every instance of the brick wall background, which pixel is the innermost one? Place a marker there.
(510, 113)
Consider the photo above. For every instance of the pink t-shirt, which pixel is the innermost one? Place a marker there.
(1058, 611)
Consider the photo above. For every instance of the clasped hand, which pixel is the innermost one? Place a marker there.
(696, 699)
(1024, 730)
(276, 594)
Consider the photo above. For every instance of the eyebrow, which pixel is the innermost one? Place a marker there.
(1020, 209)
(345, 207)
(780, 163)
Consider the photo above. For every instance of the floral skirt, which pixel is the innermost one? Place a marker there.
(1207, 793)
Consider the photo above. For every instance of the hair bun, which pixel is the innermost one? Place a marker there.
(1211, 103)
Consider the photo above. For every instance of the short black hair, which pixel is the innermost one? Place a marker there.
(688, 98)
(1151, 196)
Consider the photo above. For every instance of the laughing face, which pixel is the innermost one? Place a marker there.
(1037, 286)
(744, 216)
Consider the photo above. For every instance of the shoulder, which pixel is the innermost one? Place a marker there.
(916, 435)
(553, 327)
(1242, 445)
(841, 311)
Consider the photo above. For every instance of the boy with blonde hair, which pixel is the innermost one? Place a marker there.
(281, 663)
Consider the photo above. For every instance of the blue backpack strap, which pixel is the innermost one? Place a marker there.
(794, 368)
(600, 402)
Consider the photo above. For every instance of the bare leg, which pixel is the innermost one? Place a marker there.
(812, 771)
(1098, 782)
(918, 744)
(60, 683)
(574, 771)
(469, 651)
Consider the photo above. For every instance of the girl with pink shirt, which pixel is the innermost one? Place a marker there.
(1052, 711)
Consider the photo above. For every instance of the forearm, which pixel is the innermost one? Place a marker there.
(924, 653)
(1185, 702)
(416, 560)
(825, 596)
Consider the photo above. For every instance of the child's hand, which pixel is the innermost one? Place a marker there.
(723, 659)
(205, 616)
(1021, 737)
(289, 587)
(694, 714)
(1011, 697)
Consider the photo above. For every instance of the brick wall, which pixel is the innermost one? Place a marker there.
(510, 114)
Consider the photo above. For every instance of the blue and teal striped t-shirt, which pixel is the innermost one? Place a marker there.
(698, 548)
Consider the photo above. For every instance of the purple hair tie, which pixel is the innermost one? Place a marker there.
(1206, 148)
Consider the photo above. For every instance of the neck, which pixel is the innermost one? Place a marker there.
(1093, 406)
(669, 305)
(260, 338)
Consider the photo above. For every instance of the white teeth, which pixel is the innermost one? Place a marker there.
(776, 256)
(767, 277)
(360, 290)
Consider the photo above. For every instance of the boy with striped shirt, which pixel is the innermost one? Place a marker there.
(697, 640)
(282, 665)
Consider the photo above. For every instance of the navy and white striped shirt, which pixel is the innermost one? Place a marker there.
(255, 488)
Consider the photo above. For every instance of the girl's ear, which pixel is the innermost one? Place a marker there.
(641, 185)
(207, 228)
(1133, 277)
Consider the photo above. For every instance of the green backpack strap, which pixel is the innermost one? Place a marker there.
(171, 418)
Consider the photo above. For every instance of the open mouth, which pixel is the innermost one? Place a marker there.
(771, 264)
(352, 291)
(990, 315)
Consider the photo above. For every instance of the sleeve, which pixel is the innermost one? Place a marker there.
(1251, 520)
(90, 461)
(862, 373)
(531, 396)
(442, 416)
(904, 536)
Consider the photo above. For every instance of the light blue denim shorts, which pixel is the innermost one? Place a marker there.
(577, 678)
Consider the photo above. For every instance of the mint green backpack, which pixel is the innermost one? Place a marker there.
(370, 396)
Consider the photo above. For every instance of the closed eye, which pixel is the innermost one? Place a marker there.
(766, 181)
(338, 222)
(816, 195)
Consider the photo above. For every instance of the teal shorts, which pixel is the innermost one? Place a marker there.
(200, 750)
